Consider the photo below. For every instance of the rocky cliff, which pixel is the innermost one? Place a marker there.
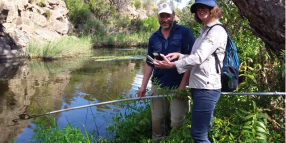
(22, 20)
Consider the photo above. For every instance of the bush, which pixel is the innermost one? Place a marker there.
(123, 22)
(146, 4)
(93, 26)
(150, 24)
(137, 4)
(78, 11)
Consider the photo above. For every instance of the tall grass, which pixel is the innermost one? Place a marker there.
(63, 47)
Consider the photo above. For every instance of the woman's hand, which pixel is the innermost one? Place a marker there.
(173, 56)
(164, 64)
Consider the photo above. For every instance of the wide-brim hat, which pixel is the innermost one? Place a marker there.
(210, 3)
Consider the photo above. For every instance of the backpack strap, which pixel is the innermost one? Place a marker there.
(218, 66)
(216, 62)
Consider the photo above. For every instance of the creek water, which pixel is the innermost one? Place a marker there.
(30, 87)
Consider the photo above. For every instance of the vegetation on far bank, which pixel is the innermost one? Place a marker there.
(62, 48)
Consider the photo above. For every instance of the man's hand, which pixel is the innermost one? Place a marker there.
(179, 94)
(164, 64)
(141, 92)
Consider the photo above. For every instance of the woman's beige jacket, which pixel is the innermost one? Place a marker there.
(201, 61)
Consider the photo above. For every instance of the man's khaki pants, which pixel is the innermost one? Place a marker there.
(159, 109)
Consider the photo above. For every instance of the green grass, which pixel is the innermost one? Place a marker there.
(69, 134)
(61, 48)
(68, 46)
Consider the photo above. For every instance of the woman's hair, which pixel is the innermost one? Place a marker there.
(215, 14)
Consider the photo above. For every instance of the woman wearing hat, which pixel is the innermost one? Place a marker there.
(204, 81)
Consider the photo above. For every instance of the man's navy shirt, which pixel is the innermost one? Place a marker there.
(180, 39)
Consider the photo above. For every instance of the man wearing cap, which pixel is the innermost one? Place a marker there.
(169, 38)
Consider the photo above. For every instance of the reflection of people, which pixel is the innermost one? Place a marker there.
(169, 38)
(204, 81)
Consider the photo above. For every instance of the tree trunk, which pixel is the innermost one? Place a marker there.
(267, 18)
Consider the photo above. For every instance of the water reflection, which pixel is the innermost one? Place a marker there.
(35, 87)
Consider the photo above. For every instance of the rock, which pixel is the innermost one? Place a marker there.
(53, 2)
(47, 34)
(38, 19)
(21, 20)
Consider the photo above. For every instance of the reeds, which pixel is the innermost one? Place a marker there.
(66, 46)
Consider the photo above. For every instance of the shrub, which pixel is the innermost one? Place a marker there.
(146, 4)
(78, 11)
(47, 14)
(93, 26)
(137, 4)
(150, 24)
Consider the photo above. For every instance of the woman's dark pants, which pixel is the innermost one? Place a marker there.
(204, 101)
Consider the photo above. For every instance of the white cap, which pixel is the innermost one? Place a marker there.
(165, 8)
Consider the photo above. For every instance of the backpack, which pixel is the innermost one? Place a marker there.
(230, 68)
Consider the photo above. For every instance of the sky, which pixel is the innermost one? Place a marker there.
(179, 5)
(183, 4)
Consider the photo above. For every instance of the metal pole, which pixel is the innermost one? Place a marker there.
(160, 96)
(255, 93)
(107, 102)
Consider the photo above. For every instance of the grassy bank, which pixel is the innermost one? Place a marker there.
(69, 46)
(66, 46)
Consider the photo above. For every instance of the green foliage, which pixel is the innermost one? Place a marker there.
(123, 22)
(52, 133)
(92, 15)
(132, 127)
(93, 26)
(137, 4)
(237, 119)
(150, 24)
(187, 19)
(244, 125)
(101, 10)
(281, 67)
(147, 3)
(137, 23)
(181, 135)
(240, 119)
(48, 14)
(78, 11)
(255, 125)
